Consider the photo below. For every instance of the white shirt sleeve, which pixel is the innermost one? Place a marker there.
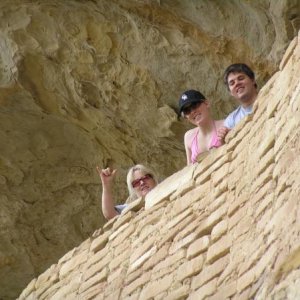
(229, 121)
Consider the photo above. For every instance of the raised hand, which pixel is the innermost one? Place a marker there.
(106, 175)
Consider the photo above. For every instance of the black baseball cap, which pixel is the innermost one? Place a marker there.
(189, 97)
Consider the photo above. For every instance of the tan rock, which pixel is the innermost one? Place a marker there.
(154, 288)
(198, 246)
(97, 83)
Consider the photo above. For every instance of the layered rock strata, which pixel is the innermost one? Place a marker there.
(86, 83)
(224, 228)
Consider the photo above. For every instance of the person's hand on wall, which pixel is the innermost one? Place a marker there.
(221, 133)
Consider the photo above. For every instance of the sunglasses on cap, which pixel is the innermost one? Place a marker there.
(137, 182)
(189, 108)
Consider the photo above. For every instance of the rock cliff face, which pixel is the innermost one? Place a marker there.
(86, 83)
(225, 228)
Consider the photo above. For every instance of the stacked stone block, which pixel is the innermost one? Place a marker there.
(225, 228)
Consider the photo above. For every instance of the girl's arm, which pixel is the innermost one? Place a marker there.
(108, 208)
(187, 149)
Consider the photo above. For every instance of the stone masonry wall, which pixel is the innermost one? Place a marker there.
(225, 228)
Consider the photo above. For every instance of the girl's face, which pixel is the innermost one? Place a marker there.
(198, 113)
(142, 183)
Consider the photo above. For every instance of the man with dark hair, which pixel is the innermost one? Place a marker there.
(240, 81)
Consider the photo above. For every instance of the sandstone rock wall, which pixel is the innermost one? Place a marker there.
(96, 82)
(225, 228)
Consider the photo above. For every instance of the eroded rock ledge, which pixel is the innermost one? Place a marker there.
(96, 82)
(227, 227)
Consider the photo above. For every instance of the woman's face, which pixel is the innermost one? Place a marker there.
(198, 113)
(142, 183)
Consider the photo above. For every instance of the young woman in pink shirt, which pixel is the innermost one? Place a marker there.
(196, 109)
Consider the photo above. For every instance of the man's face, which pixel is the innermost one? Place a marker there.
(242, 87)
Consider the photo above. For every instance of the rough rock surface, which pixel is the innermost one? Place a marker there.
(86, 83)
(225, 228)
